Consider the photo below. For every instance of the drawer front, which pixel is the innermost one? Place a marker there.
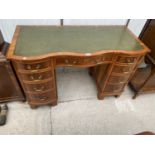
(35, 88)
(127, 59)
(77, 61)
(118, 79)
(34, 66)
(35, 77)
(122, 69)
(42, 97)
(110, 88)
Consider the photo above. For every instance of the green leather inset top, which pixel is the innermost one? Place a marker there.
(35, 40)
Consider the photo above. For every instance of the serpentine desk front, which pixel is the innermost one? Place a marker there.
(112, 53)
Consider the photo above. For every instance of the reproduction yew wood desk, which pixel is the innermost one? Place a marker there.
(111, 52)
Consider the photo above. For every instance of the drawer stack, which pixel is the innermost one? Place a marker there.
(38, 81)
(112, 80)
(120, 74)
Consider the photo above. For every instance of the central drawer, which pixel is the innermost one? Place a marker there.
(85, 61)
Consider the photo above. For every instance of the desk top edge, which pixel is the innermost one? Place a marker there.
(11, 56)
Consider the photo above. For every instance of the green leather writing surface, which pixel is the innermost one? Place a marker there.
(34, 41)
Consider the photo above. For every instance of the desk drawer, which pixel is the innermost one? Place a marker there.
(110, 88)
(42, 97)
(41, 87)
(34, 65)
(35, 77)
(127, 59)
(87, 61)
(118, 79)
(123, 69)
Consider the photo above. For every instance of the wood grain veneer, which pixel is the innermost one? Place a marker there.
(111, 52)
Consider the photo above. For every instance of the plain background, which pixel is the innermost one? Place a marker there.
(8, 26)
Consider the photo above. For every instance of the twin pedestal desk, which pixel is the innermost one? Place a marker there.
(112, 54)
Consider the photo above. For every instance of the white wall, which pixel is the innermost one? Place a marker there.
(8, 26)
(95, 21)
(136, 25)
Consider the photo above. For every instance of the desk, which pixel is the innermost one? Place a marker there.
(112, 53)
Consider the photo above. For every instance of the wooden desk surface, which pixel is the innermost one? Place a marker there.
(38, 40)
(112, 52)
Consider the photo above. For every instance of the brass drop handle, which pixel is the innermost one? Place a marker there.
(121, 82)
(40, 77)
(87, 60)
(28, 67)
(74, 62)
(39, 89)
(66, 61)
(125, 72)
(43, 98)
(128, 60)
(97, 61)
(38, 66)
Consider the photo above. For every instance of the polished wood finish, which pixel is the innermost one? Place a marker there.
(112, 79)
(9, 87)
(38, 81)
(111, 68)
(144, 78)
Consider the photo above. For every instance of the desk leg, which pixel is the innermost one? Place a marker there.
(117, 96)
(33, 106)
(100, 96)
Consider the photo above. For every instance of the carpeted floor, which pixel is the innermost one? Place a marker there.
(79, 111)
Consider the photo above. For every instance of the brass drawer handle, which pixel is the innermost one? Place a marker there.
(75, 62)
(31, 77)
(87, 60)
(40, 77)
(28, 67)
(43, 98)
(120, 82)
(39, 89)
(99, 63)
(66, 61)
(125, 72)
(103, 59)
(38, 66)
(129, 60)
